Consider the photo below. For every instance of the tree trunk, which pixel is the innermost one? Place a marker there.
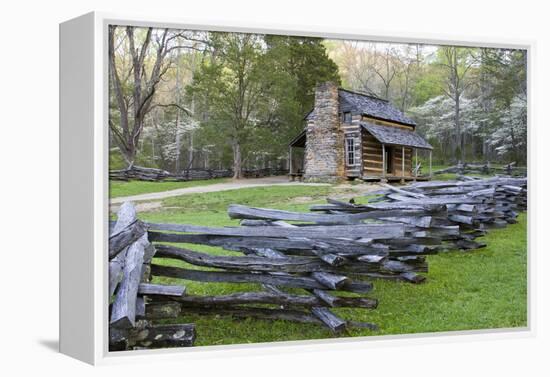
(515, 153)
(134, 94)
(459, 139)
(178, 143)
(237, 161)
(129, 155)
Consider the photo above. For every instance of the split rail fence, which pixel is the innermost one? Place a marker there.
(156, 175)
(335, 248)
(510, 169)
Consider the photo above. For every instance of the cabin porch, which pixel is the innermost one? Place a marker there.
(391, 154)
(372, 153)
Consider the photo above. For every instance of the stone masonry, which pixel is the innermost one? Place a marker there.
(324, 152)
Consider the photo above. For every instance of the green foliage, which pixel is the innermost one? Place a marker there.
(250, 93)
(236, 90)
(116, 161)
(486, 88)
(503, 93)
(306, 61)
(506, 74)
(428, 85)
(306, 64)
(255, 90)
(481, 289)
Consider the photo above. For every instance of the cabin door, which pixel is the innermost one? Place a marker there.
(389, 160)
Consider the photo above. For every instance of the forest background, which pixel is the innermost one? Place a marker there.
(192, 99)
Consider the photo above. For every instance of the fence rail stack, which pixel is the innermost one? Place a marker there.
(510, 169)
(141, 173)
(131, 319)
(398, 257)
(305, 264)
(473, 205)
(278, 256)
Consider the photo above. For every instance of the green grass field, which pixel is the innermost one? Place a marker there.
(121, 188)
(485, 288)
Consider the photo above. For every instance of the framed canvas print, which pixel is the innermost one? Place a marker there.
(231, 186)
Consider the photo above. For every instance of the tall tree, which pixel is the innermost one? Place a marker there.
(436, 120)
(408, 60)
(504, 94)
(385, 68)
(231, 87)
(138, 60)
(256, 90)
(303, 62)
(305, 59)
(456, 63)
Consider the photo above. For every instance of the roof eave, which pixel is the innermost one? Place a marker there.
(298, 137)
(408, 146)
(413, 125)
(365, 125)
(308, 114)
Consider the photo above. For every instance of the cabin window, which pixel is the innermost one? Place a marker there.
(350, 151)
(347, 117)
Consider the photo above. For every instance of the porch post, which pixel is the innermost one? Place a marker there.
(403, 161)
(383, 161)
(290, 160)
(430, 164)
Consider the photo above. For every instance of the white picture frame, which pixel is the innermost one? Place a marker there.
(84, 189)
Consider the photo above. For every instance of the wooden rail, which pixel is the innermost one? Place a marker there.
(334, 248)
(130, 256)
(484, 168)
(141, 173)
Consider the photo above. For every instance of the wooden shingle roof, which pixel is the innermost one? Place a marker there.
(370, 106)
(396, 136)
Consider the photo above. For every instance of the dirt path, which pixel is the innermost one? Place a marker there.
(244, 183)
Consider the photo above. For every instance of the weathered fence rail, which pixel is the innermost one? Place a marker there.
(130, 322)
(484, 168)
(473, 206)
(334, 248)
(319, 273)
(156, 175)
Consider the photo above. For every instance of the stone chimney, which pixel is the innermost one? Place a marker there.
(324, 154)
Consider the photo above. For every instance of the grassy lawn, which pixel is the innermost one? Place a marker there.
(121, 188)
(481, 289)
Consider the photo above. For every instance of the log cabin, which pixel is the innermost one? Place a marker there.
(354, 135)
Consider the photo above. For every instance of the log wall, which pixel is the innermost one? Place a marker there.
(353, 130)
(373, 164)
